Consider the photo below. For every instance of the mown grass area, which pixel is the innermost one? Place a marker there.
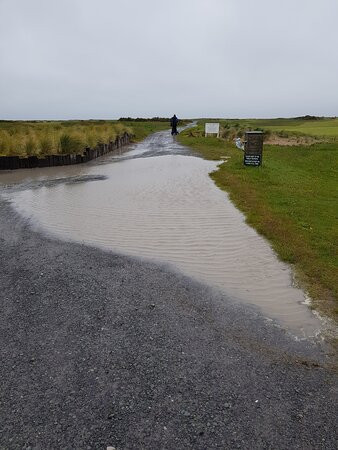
(40, 138)
(320, 127)
(292, 200)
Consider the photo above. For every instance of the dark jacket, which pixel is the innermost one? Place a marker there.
(174, 121)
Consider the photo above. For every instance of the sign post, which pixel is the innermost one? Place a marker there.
(212, 128)
(253, 148)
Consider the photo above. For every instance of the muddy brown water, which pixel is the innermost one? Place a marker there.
(155, 200)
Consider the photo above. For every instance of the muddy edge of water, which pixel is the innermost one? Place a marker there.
(19, 240)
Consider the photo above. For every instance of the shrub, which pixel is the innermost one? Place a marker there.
(30, 147)
(69, 144)
(282, 134)
(7, 146)
(46, 145)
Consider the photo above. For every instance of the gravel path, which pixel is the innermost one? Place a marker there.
(101, 350)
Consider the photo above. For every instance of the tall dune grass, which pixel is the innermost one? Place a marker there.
(45, 138)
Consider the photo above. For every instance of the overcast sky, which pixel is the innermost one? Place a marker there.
(62, 59)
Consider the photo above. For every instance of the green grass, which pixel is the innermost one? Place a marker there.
(20, 138)
(326, 127)
(292, 200)
(319, 128)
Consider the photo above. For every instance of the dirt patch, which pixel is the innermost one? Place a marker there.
(292, 141)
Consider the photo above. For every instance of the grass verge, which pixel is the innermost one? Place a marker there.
(292, 200)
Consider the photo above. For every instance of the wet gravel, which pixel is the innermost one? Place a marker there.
(99, 350)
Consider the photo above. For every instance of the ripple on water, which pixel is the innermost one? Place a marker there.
(167, 208)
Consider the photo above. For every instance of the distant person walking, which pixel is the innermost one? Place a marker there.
(173, 123)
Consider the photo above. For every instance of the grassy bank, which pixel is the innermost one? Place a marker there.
(40, 138)
(292, 200)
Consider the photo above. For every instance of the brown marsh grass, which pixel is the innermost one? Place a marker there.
(18, 138)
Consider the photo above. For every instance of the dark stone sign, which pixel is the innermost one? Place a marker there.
(253, 148)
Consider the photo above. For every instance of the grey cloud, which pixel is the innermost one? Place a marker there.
(216, 58)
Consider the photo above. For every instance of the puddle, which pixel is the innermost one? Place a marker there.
(156, 201)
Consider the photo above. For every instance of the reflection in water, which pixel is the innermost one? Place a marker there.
(168, 209)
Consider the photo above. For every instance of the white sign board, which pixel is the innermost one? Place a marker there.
(212, 128)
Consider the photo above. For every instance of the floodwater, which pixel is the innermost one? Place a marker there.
(156, 200)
